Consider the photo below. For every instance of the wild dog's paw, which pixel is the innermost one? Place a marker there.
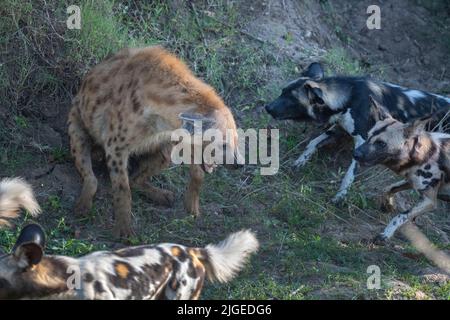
(338, 199)
(300, 162)
(379, 240)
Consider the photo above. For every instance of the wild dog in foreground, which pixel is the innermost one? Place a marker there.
(421, 157)
(343, 103)
(163, 271)
(129, 105)
(14, 195)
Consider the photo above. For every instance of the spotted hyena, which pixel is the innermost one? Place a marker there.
(421, 157)
(129, 105)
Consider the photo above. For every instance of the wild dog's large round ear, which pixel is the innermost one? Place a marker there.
(314, 71)
(314, 92)
(417, 126)
(191, 121)
(378, 112)
(29, 247)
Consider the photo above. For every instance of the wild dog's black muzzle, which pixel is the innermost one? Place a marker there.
(270, 108)
(358, 154)
(281, 108)
(363, 155)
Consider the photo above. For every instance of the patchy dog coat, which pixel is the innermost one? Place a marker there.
(421, 157)
(344, 102)
(130, 105)
(163, 271)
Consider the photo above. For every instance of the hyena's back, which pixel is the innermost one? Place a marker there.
(137, 93)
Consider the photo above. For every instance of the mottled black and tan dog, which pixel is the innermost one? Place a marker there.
(162, 271)
(421, 157)
(342, 104)
(129, 105)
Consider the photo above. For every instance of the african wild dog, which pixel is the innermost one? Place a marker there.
(163, 271)
(130, 104)
(421, 157)
(15, 194)
(343, 103)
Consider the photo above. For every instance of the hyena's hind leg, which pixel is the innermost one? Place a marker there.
(80, 146)
(150, 165)
(117, 160)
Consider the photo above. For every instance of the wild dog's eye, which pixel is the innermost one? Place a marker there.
(380, 143)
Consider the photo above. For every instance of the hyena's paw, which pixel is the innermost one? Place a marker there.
(165, 198)
(158, 196)
(192, 205)
(82, 208)
(123, 231)
(387, 204)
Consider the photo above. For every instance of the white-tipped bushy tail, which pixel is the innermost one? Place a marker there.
(225, 259)
(15, 194)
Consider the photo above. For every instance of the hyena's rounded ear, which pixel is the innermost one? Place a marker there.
(192, 121)
(314, 71)
(29, 247)
(378, 111)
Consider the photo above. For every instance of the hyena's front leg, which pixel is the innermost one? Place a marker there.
(312, 146)
(387, 201)
(80, 146)
(427, 203)
(192, 196)
(117, 166)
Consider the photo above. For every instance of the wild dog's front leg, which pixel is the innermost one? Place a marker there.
(427, 203)
(387, 201)
(346, 182)
(313, 145)
(192, 196)
(349, 175)
(117, 166)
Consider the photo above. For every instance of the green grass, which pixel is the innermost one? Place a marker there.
(339, 60)
(307, 248)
